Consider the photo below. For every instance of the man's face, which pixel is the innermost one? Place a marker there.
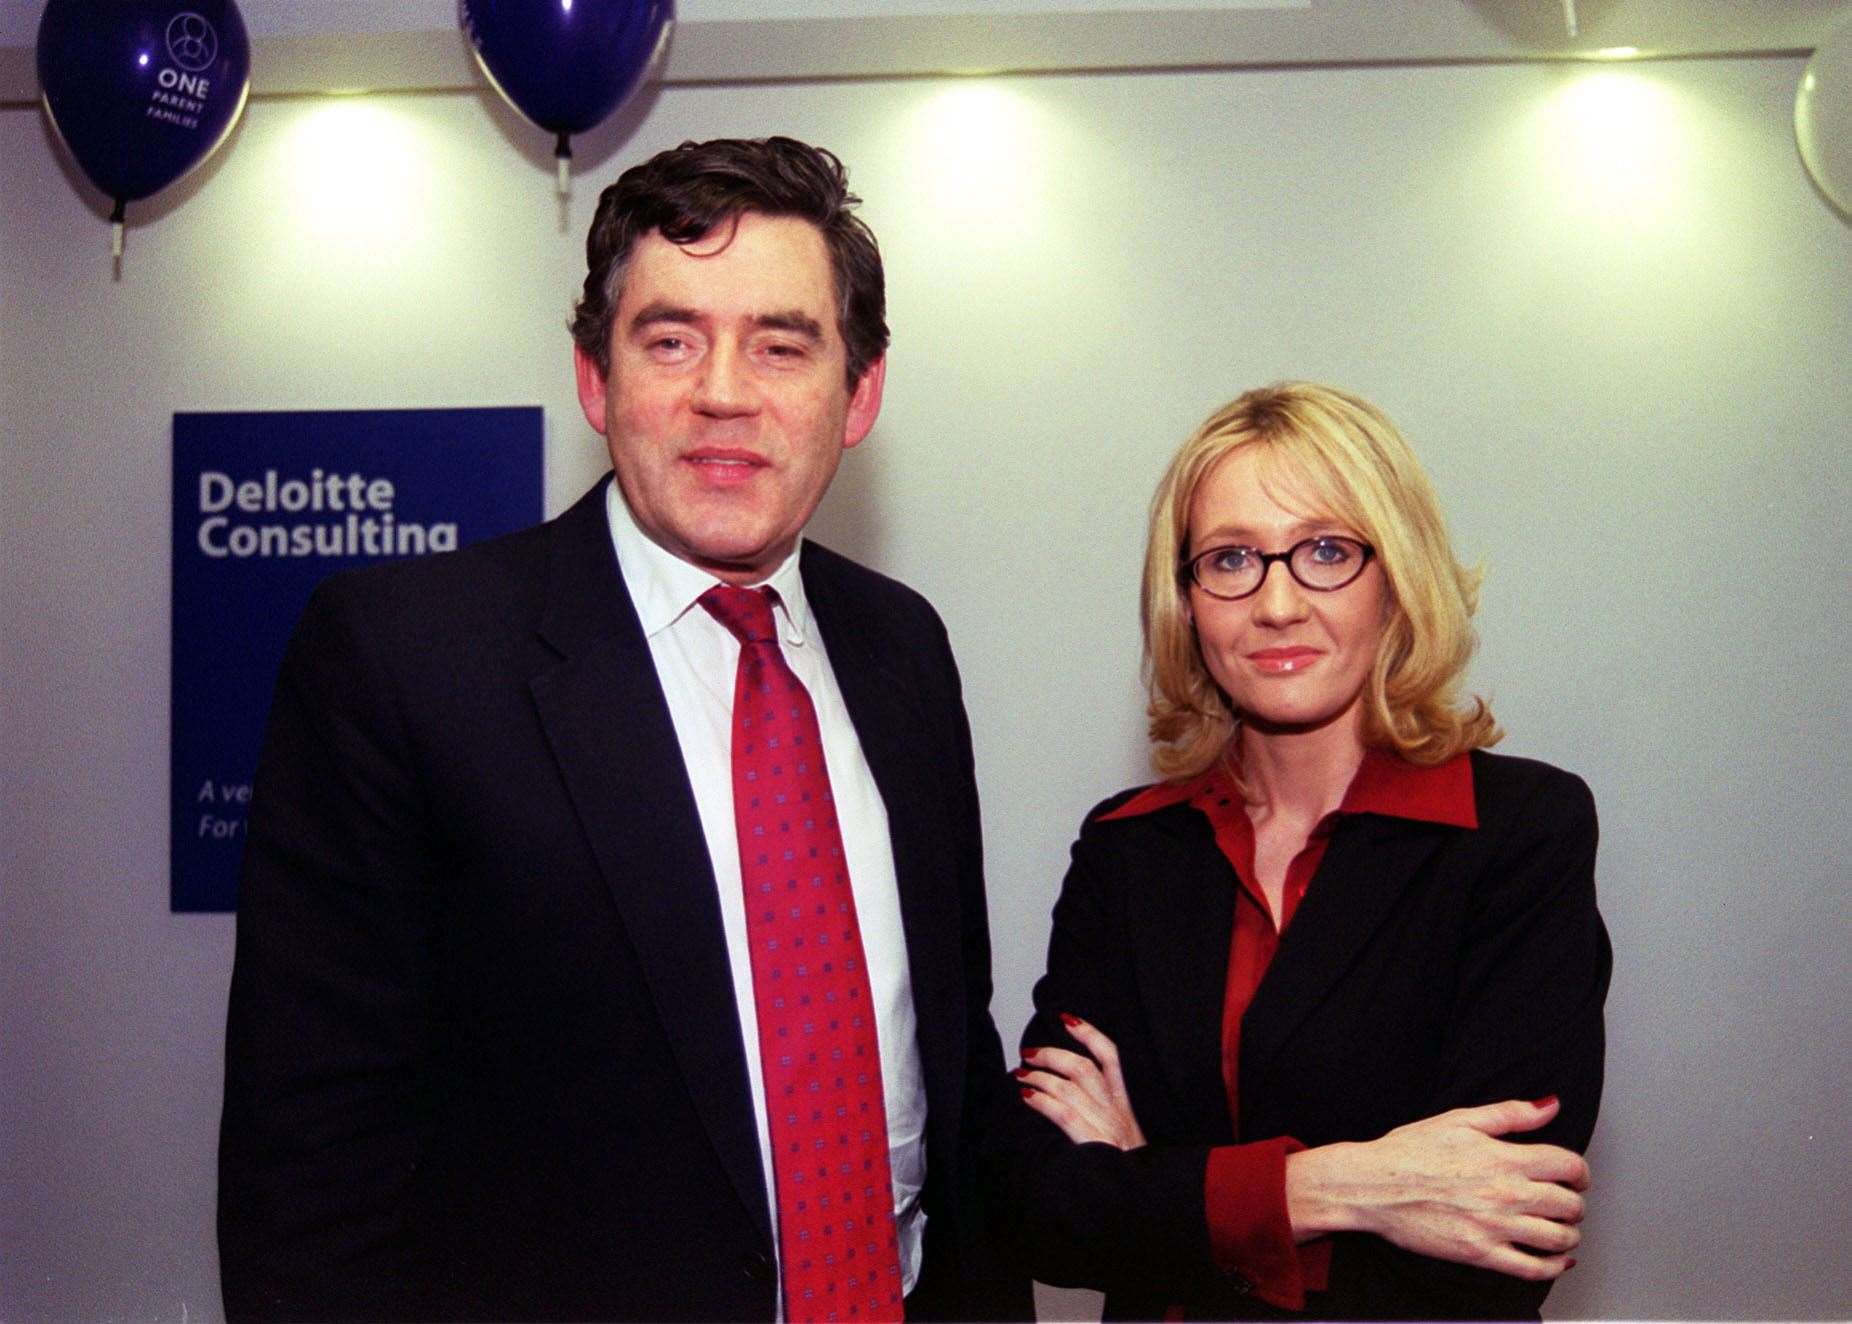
(726, 410)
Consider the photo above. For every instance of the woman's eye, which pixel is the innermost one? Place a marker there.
(1331, 551)
(1232, 558)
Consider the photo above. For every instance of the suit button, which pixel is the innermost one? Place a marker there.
(1239, 1282)
(758, 1266)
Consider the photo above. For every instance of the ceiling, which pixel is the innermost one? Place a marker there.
(323, 45)
(268, 18)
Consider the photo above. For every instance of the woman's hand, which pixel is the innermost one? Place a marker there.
(1084, 1096)
(1446, 1187)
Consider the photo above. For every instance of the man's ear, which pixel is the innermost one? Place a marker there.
(864, 403)
(591, 381)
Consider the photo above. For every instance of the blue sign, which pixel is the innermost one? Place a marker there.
(267, 505)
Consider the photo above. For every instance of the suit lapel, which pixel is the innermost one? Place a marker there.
(1181, 933)
(886, 710)
(608, 724)
(1366, 869)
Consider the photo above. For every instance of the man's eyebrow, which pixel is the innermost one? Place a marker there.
(652, 314)
(793, 320)
(799, 323)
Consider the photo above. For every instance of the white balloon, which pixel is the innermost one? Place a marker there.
(1823, 117)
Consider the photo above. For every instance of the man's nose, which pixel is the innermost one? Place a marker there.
(725, 388)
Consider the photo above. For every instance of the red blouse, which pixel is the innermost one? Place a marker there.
(1249, 1232)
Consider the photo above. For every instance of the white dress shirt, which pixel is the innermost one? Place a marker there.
(696, 658)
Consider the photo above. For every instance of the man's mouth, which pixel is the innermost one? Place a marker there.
(726, 464)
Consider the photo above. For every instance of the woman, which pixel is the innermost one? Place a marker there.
(1301, 986)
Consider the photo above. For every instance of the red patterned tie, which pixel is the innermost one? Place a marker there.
(838, 1250)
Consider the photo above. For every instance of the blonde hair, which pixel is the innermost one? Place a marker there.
(1350, 456)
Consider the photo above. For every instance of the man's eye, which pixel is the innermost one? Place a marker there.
(781, 350)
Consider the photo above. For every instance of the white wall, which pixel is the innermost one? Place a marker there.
(1606, 304)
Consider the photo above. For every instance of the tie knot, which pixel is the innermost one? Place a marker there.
(747, 612)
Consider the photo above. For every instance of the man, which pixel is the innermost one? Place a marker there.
(517, 1027)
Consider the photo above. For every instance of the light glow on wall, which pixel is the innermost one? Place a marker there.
(355, 172)
(1621, 143)
(981, 157)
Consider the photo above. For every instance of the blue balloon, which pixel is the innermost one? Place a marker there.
(564, 64)
(141, 91)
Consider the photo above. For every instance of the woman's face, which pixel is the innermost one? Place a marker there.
(1288, 657)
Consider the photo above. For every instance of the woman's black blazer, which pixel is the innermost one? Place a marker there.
(1429, 967)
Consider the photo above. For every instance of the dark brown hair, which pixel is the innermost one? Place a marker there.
(687, 191)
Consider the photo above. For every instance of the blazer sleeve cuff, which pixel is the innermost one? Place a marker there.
(1250, 1234)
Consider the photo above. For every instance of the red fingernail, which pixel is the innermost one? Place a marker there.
(1020, 1072)
(1029, 1053)
(1569, 1266)
(1027, 1093)
(1069, 1021)
(1544, 1102)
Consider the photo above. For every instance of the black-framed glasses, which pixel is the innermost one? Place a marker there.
(1321, 564)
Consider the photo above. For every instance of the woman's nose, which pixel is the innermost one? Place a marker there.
(1279, 600)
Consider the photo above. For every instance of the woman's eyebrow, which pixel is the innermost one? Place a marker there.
(1250, 537)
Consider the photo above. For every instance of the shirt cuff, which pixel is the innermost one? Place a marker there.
(1250, 1235)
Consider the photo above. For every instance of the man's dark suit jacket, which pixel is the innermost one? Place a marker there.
(483, 1057)
(1428, 967)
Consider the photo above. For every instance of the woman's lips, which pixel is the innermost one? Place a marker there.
(1284, 661)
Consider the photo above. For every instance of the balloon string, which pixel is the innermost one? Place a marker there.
(116, 219)
(562, 154)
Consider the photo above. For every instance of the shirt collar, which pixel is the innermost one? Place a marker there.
(664, 588)
(1395, 788)
(1384, 784)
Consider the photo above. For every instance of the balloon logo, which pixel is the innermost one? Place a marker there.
(141, 91)
(192, 42)
(565, 65)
